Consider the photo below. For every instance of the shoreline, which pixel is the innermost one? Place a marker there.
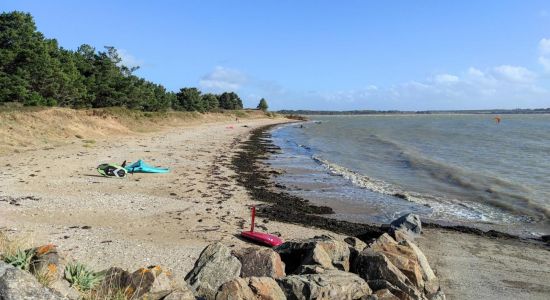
(282, 206)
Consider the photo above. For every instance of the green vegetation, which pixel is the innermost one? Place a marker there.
(263, 105)
(82, 278)
(19, 258)
(36, 71)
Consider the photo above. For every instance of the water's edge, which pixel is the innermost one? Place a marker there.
(255, 175)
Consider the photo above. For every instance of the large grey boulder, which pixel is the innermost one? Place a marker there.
(260, 262)
(371, 265)
(16, 284)
(320, 250)
(331, 284)
(409, 222)
(214, 267)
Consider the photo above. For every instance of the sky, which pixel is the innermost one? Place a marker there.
(323, 55)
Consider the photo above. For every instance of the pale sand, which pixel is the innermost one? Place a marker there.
(144, 219)
(474, 267)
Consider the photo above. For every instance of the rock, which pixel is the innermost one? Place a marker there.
(401, 256)
(265, 288)
(380, 284)
(134, 285)
(401, 235)
(356, 243)
(115, 279)
(214, 267)
(321, 250)
(385, 294)
(163, 284)
(332, 284)
(46, 262)
(431, 283)
(355, 247)
(260, 262)
(252, 288)
(438, 296)
(408, 222)
(382, 240)
(371, 265)
(45, 259)
(236, 289)
(16, 284)
(139, 283)
(310, 269)
(148, 283)
(185, 294)
(63, 287)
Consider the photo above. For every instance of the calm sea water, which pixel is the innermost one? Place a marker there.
(458, 169)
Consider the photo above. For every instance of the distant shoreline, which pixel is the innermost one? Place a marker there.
(427, 112)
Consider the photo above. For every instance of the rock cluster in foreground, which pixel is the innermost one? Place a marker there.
(323, 267)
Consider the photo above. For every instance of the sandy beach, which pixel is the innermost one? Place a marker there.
(55, 195)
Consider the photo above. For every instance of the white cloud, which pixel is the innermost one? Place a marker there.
(544, 50)
(499, 87)
(545, 62)
(128, 59)
(475, 72)
(514, 73)
(544, 46)
(223, 79)
(446, 78)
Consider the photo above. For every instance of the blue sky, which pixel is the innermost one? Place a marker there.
(408, 55)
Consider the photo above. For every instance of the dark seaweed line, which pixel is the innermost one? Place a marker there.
(284, 207)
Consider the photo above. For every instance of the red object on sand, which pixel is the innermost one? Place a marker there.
(260, 237)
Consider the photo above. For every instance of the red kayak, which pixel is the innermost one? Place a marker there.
(260, 237)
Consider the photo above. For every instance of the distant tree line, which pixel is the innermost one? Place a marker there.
(35, 70)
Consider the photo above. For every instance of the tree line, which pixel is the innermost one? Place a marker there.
(35, 70)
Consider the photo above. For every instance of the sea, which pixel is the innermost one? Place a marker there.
(450, 169)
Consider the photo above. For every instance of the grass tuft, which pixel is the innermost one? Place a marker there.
(81, 277)
(20, 259)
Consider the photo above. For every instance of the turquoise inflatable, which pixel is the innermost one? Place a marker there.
(141, 167)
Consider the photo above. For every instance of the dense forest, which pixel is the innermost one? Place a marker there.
(35, 70)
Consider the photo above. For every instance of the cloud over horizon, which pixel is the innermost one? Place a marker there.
(223, 79)
(501, 86)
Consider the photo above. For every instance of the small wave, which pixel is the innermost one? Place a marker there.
(363, 181)
(485, 188)
(441, 207)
